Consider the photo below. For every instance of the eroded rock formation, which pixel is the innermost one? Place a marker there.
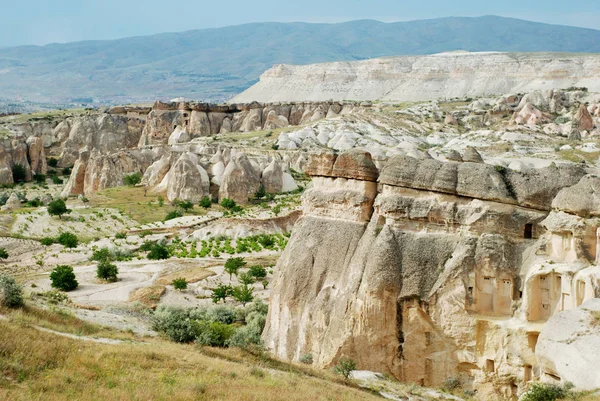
(428, 270)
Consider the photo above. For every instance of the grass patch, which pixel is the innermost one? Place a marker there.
(131, 201)
(38, 365)
(577, 156)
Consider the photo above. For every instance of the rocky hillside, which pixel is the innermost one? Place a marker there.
(430, 270)
(215, 64)
(439, 76)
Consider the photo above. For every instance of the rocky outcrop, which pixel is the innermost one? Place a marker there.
(415, 269)
(240, 181)
(409, 78)
(569, 344)
(584, 120)
(13, 202)
(187, 179)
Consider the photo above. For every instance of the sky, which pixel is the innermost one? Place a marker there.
(40, 22)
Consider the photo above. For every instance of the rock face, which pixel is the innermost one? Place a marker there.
(584, 120)
(456, 75)
(569, 345)
(415, 270)
(240, 180)
(12, 203)
(187, 179)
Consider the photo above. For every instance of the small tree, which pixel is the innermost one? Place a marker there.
(3, 253)
(246, 278)
(52, 162)
(63, 278)
(102, 255)
(132, 179)
(158, 252)
(228, 203)
(107, 271)
(221, 293)
(180, 283)
(345, 366)
(173, 214)
(260, 193)
(186, 205)
(205, 202)
(68, 240)
(19, 173)
(233, 265)
(243, 294)
(265, 284)
(258, 272)
(161, 201)
(58, 207)
(39, 178)
(11, 293)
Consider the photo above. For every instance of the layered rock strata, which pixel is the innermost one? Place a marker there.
(428, 270)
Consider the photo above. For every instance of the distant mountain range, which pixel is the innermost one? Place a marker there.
(215, 64)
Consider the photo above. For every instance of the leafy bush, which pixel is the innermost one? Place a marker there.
(56, 180)
(222, 313)
(58, 207)
(132, 179)
(250, 334)
(173, 214)
(205, 202)
(246, 278)
(19, 173)
(213, 334)
(47, 241)
(175, 323)
(228, 203)
(11, 293)
(306, 359)
(221, 293)
(546, 392)
(243, 294)
(52, 162)
(66, 171)
(233, 265)
(68, 240)
(39, 178)
(101, 255)
(345, 366)
(185, 205)
(63, 278)
(451, 383)
(107, 271)
(159, 252)
(260, 193)
(258, 272)
(121, 235)
(180, 283)
(3, 253)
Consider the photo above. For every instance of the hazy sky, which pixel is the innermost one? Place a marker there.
(47, 21)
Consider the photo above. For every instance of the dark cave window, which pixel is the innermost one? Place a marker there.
(528, 231)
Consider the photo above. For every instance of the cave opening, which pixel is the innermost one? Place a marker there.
(528, 231)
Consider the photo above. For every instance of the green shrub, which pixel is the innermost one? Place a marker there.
(107, 271)
(132, 179)
(3, 253)
(250, 334)
(175, 323)
(246, 278)
(258, 272)
(173, 214)
(63, 278)
(451, 383)
(39, 178)
(52, 162)
(260, 193)
(19, 173)
(66, 171)
(221, 293)
(101, 255)
(68, 240)
(306, 359)
(228, 203)
(58, 207)
(121, 235)
(345, 366)
(205, 202)
(185, 205)
(56, 180)
(243, 294)
(276, 210)
(265, 284)
(547, 392)
(11, 293)
(213, 334)
(233, 265)
(159, 252)
(180, 284)
(47, 241)
(222, 313)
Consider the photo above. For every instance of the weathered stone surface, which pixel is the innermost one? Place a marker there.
(320, 164)
(12, 203)
(471, 155)
(584, 120)
(569, 345)
(37, 155)
(450, 119)
(239, 181)
(355, 164)
(180, 135)
(582, 199)
(187, 179)
(272, 177)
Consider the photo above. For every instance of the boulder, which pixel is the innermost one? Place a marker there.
(528, 115)
(239, 181)
(320, 164)
(12, 203)
(187, 179)
(582, 199)
(272, 177)
(569, 345)
(180, 135)
(355, 164)
(453, 156)
(157, 171)
(37, 155)
(584, 120)
(471, 155)
(450, 119)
